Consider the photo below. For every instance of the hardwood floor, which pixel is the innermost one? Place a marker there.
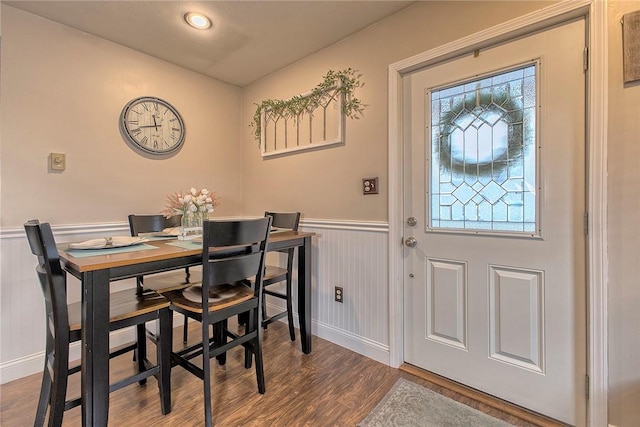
(332, 386)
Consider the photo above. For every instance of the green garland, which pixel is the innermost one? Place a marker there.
(510, 111)
(344, 82)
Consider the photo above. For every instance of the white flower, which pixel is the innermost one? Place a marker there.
(193, 201)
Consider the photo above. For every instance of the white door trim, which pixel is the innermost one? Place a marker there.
(595, 12)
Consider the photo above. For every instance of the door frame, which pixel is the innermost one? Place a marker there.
(595, 14)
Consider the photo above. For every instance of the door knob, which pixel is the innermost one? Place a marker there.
(411, 242)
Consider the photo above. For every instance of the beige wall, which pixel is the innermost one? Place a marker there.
(63, 90)
(328, 183)
(624, 234)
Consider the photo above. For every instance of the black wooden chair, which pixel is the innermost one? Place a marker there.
(276, 274)
(232, 267)
(126, 309)
(166, 281)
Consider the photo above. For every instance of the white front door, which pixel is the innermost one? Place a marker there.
(494, 161)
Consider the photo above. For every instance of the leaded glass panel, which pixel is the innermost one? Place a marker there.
(483, 156)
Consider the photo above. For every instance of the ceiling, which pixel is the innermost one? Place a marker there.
(249, 39)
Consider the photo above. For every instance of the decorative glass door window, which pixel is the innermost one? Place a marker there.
(483, 163)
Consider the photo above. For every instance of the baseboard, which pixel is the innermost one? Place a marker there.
(371, 349)
(355, 343)
(33, 363)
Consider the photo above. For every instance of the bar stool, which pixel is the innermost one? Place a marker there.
(127, 308)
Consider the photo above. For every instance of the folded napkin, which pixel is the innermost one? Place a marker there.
(107, 242)
(173, 231)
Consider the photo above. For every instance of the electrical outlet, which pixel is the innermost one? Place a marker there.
(370, 185)
(338, 294)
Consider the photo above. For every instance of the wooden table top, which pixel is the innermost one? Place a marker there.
(163, 251)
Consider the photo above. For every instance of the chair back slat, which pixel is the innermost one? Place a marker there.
(151, 223)
(52, 278)
(233, 233)
(234, 269)
(289, 220)
(32, 230)
(43, 245)
(234, 251)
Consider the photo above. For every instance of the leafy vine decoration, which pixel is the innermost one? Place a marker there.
(343, 81)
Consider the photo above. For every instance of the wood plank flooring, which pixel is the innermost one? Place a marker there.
(332, 386)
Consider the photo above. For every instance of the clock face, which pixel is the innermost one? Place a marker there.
(152, 125)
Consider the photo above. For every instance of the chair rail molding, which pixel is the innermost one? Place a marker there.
(595, 14)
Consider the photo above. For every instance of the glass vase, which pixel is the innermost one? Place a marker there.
(187, 219)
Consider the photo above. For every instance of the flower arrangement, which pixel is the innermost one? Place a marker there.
(194, 206)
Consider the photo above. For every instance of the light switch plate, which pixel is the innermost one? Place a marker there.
(370, 185)
(57, 161)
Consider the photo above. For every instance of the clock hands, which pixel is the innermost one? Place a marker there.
(154, 125)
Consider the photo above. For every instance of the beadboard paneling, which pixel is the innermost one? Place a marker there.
(349, 254)
(354, 257)
(22, 324)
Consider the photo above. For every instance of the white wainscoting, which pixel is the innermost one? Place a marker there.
(349, 254)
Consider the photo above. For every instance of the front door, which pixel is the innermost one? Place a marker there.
(494, 197)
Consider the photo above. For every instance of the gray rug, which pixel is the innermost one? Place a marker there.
(408, 404)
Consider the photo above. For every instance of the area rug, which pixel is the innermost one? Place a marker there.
(408, 404)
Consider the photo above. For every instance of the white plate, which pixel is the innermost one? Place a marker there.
(108, 242)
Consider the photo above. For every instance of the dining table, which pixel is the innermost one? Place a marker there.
(98, 269)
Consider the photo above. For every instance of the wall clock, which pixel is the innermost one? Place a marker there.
(152, 125)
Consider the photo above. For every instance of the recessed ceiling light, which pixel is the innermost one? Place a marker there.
(197, 20)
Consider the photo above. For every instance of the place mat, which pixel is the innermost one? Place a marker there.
(84, 253)
(186, 244)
